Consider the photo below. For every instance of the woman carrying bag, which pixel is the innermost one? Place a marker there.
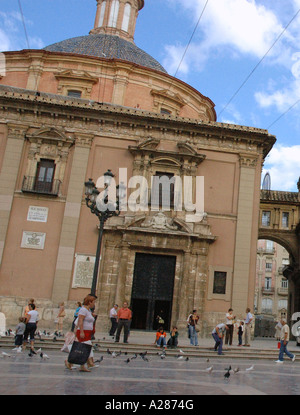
(85, 330)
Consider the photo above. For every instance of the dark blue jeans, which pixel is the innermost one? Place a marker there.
(219, 342)
(283, 349)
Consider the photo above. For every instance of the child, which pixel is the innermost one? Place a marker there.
(161, 337)
(173, 340)
(20, 329)
(240, 333)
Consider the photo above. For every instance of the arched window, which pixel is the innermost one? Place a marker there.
(102, 11)
(114, 11)
(126, 17)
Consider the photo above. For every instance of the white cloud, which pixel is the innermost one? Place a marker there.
(12, 36)
(234, 27)
(283, 164)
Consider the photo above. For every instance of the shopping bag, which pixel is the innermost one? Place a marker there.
(278, 345)
(79, 353)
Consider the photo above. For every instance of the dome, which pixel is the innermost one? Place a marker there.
(106, 46)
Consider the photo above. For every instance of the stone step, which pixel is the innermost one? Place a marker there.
(152, 350)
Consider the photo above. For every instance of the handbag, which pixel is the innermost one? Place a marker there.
(69, 340)
(79, 353)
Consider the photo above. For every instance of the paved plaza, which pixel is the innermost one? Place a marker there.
(24, 375)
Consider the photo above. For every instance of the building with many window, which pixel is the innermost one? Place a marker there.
(75, 109)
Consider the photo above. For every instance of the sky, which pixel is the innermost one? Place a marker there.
(242, 54)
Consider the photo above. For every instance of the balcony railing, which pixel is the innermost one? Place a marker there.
(268, 290)
(32, 185)
(283, 290)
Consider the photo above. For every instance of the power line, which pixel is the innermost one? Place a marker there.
(283, 114)
(23, 20)
(191, 38)
(256, 66)
(187, 47)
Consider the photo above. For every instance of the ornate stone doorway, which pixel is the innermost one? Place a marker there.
(152, 290)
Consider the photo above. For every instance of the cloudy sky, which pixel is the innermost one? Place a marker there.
(243, 54)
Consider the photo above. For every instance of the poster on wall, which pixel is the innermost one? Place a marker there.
(37, 214)
(83, 271)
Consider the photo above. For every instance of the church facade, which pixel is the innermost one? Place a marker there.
(79, 107)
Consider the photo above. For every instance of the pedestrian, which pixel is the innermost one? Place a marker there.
(284, 339)
(60, 319)
(192, 321)
(20, 330)
(160, 321)
(240, 333)
(173, 340)
(31, 301)
(31, 326)
(79, 305)
(278, 328)
(230, 324)
(124, 319)
(248, 320)
(113, 315)
(85, 330)
(160, 337)
(218, 335)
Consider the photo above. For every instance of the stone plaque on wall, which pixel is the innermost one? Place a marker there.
(83, 271)
(33, 240)
(37, 214)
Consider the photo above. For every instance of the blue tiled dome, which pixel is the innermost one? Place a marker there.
(106, 46)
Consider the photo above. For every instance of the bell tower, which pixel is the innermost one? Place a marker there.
(117, 17)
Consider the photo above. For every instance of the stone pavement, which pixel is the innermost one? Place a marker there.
(170, 377)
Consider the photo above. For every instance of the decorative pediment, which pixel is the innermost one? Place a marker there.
(159, 222)
(149, 144)
(76, 75)
(167, 100)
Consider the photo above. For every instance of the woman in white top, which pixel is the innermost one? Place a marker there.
(85, 329)
(32, 318)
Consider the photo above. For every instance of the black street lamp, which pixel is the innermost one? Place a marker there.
(104, 209)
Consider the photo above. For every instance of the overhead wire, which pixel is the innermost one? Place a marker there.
(24, 25)
(188, 45)
(256, 66)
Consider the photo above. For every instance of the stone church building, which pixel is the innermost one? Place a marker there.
(75, 109)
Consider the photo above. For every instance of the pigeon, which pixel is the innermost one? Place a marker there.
(30, 354)
(39, 351)
(227, 375)
(5, 354)
(250, 368)
(209, 369)
(236, 370)
(127, 361)
(114, 354)
(186, 359)
(54, 339)
(108, 351)
(179, 357)
(162, 356)
(145, 359)
(99, 360)
(44, 356)
(134, 356)
(143, 354)
(181, 351)
(228, 368)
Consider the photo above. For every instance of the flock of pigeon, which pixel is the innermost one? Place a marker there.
(143, 355)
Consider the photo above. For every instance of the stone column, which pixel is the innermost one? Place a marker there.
(66, 250)
(242, 257)
(8, 176)
(120, 289)
(183, 305)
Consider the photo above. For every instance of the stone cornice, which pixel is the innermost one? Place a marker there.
(22, 100)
